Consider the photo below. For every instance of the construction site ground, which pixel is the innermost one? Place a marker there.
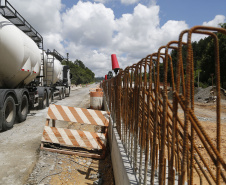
(22, 162)
(205, 111)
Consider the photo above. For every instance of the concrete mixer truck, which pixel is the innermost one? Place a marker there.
(57, 76)
(29, 76)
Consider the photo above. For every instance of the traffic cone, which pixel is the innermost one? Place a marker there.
(115, 65)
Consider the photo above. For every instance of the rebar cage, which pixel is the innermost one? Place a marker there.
(162, 135)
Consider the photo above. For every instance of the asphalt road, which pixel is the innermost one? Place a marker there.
(20, 145)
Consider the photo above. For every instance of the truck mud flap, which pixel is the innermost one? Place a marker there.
(76, 141)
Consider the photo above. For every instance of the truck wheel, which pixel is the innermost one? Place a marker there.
(67, 94)
(50, 98)
(69, 91)
(8, 113)
(23, 109)
(60, 94)
(63, 93)
(43, 101)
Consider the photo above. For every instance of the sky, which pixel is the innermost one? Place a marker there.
(92, 30)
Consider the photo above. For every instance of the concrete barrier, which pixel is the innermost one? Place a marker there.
(123, 171)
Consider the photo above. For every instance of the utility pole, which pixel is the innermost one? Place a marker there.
(67, 56)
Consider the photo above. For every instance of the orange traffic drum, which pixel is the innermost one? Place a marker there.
(96, 100)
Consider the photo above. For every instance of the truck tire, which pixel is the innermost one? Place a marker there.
(8, 113)
(67, 94)
(23, 109)
(60, 94)
(63, 93)
(43, 101)
(69, 91)
(50, 99)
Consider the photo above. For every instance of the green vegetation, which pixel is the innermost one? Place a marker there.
(80, 73)
(204, 60)
(99, 79)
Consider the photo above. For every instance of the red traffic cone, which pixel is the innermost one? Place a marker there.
(114, 62)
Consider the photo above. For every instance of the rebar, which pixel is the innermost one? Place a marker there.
(149, 123)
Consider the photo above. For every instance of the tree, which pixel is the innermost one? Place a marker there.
(80, 64)
(208, 58)
(204, 58)
(80, 73)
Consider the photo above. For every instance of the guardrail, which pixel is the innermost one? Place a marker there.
(160, 133)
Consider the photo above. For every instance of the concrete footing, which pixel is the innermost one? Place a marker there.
(123, 171)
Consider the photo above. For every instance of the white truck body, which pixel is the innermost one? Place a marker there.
(25, 80)
(20, 59)
(53, 67)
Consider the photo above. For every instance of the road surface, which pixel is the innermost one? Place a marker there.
(20, 145)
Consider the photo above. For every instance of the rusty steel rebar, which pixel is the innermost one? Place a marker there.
(149, 124)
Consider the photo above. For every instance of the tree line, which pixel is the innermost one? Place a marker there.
(80, 73)
(204, 60)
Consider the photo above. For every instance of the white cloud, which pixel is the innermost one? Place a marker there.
(88, 28)
(43, 15)
(213, 23)
(216, 21)
(54, 41)
(91, 33)
(171, 30)
(140, 34)
(128, 2)
(89, 24)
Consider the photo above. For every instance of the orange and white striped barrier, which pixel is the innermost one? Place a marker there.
(71, 138)
(80, 115)
(75, 138)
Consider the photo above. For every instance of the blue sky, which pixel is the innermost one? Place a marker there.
(194, 12)
(92, 30)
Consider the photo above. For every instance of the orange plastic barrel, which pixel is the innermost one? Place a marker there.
(96, 100)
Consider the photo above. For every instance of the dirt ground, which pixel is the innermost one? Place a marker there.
(22, 162)
(206, 114)
(53, 168)
(60, 169)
